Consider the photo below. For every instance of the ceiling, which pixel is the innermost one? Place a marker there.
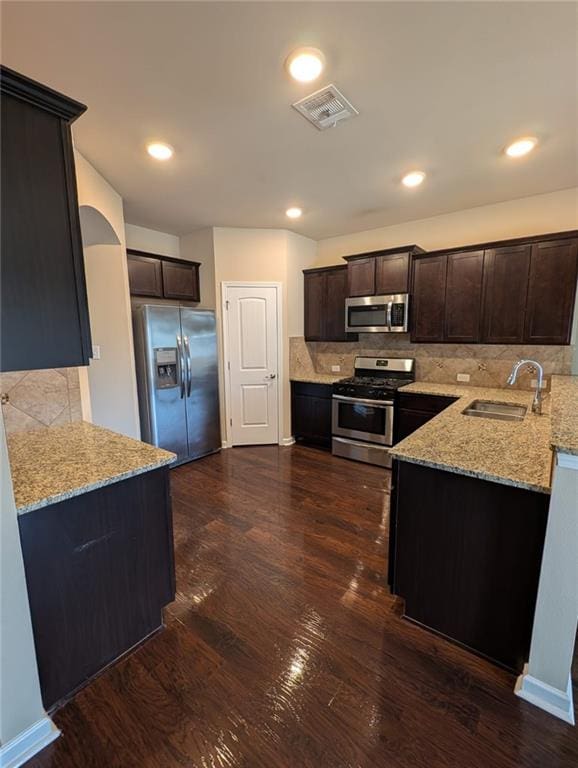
(439, 86)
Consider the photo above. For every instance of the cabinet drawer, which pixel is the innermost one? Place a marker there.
(427, 403)
(310, 389)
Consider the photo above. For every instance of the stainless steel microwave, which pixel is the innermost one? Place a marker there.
(377, 314)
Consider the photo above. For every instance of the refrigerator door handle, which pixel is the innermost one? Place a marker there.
(181, 365)
(188, 363)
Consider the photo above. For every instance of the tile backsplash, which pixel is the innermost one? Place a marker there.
(40, 399)
(488, 365)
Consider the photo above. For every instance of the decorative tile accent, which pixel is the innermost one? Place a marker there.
(40, 399)
(487, 364)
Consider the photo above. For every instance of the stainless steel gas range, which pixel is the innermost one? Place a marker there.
(362, 408)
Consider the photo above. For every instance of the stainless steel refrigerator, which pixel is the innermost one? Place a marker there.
(178, 391)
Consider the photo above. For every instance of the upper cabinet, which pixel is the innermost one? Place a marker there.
(551, 292)
(44, 319)
(380, 272)
(505, 290)
(325, 291)
(162, 277)
(463, 297)
(516, 293)
(428, 299)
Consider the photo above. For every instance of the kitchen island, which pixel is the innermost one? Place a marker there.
(96, 531)
(469, 509)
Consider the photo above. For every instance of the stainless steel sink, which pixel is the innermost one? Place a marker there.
(485, 409)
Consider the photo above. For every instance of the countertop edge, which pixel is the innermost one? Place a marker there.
(70, 494)
(481, 475)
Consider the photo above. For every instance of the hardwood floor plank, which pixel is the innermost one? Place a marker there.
(285, 649)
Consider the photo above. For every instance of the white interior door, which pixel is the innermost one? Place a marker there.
(251, 319)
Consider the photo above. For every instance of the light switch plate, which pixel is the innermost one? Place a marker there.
(96, 351)
(336, 368)
(463, 377)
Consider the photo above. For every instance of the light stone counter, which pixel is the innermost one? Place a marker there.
(565, 414)
(509, 452)
(54, 464)
(318, 378)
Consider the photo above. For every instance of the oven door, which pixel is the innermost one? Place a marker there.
(360, 419)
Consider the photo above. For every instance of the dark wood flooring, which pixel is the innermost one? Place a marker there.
(284, 648)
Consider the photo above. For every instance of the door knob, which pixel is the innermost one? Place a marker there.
(271, 376)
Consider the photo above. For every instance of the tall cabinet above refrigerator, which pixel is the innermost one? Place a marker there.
(177, 379)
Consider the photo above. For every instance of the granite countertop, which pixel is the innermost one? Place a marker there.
(54, 464)
(565, 414)
(509, 452)
(319, 378)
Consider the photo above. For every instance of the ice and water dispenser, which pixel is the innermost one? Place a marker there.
(166, 367)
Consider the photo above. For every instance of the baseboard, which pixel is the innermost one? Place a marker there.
(287, 441)
(23, 747)
(540, 694)
(225, 444)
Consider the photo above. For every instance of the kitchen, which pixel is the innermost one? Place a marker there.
(275, 491)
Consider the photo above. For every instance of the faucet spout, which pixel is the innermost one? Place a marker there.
(537, 402)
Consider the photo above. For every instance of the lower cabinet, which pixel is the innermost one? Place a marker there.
(413, 411)
(99, 569)
(466, 558)
(311, 413)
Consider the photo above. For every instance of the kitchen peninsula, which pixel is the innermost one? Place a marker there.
(96, 531)
(469, 510)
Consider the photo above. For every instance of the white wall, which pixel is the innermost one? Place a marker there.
(111, 379)
(20, 702)
(152, 241)
(552, 212)
(198, 246)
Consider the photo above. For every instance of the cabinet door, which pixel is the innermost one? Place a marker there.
(464, 296)
(551, 292)
(314, 287)
(44, 310)
(392, 273)
(504, 294)
(311, 414)
(428, 299)
(335, 294)
(144, 276)
(361, 277)
(407, 422)
(180, 281)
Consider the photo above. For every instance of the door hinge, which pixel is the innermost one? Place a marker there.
(231, 422)
(229, 364)
(227, 304)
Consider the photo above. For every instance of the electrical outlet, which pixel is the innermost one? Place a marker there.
(335, 368)
(463, 377)
(96, 351)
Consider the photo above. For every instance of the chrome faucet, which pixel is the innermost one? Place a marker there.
(537, 402)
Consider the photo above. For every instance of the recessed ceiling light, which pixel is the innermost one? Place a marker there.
(413, 179)
(305, 64)
(293, 213)
(159, 150)
(521, 146)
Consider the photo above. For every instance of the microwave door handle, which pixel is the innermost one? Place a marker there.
(389, 306)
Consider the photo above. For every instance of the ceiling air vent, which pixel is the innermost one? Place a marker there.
(326, 107)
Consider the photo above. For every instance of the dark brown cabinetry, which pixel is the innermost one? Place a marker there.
(380, 272)
(44, 319)
(463, 297)
(414, 410)
(428, 299)
(551, 291)
(162, 277)
(144, 275)
(311, 413)
(361, 277)
(325, 291)
(505, 289)
(99, 569)
(467, 558)
(512, 292)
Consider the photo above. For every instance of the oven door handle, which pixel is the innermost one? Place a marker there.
(382, 403)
